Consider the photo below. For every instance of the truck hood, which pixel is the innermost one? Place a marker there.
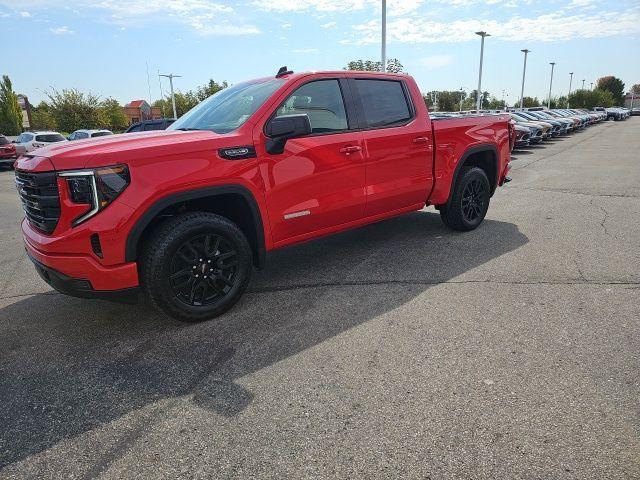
(126, 148)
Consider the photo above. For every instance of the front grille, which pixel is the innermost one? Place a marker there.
(40, 200)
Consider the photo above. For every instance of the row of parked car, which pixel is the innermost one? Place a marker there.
(29, 141)
(533, 125)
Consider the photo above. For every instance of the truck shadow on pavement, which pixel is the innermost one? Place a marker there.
(68, 366)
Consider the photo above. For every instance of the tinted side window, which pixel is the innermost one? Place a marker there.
(383, 102)
(322, 102)
(81, 135)
(137, 128)
(100, 134)
(153, 126)
(50, 138)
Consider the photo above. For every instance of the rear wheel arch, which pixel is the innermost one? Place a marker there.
(481, 156)
(234, 202)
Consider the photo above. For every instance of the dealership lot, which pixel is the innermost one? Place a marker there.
(397, 350)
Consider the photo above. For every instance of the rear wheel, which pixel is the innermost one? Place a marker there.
(469, 202)
(196, 266)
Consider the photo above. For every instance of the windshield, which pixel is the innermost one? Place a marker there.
(228, 109)
(3, 140)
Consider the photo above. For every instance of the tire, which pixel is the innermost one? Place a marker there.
(196, 266)
(469, 202)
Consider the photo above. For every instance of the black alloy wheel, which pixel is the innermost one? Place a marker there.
(469, 200)
(196, 266)
(203, 270)
(473, 199)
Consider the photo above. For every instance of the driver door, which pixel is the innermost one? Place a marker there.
(318, 181)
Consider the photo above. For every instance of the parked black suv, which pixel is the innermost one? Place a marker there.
(146, 125)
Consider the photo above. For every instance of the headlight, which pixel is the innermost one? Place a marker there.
(96, 188)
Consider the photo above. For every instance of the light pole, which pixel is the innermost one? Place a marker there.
(461, 99)
(524, 71)
(591, 85)
(583, 84)
(479, 96)
(171, 76)
(384, 36)
(503, 104)
(570, 82)
(553, 64)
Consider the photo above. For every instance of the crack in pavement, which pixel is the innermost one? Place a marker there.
(355, 283)
(446, 282)
(573, 192)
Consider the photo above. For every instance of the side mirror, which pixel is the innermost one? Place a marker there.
(281, 129)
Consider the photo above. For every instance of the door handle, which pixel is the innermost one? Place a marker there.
(420, 140)
(350, 149)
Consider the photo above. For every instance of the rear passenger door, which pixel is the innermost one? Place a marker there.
(398, 145)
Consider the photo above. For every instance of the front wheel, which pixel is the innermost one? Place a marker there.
(196, 266)
(469, 202)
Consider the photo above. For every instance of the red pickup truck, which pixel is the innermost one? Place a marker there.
(184, 214)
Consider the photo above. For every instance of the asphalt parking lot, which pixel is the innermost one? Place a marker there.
(399, 350)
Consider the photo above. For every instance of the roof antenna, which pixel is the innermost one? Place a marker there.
(283, 71)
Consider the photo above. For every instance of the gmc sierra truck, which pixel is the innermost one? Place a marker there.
(186, 213)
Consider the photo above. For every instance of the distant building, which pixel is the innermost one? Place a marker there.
(636, 100)
(139, 110)
(25, 106)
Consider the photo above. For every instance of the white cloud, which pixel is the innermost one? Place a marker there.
(436, 61)
(206, 17)
(304, 5)
(544, 28)
(25, 14)
(329, 25)
(61, 31)
(286, 25)
(305, 50)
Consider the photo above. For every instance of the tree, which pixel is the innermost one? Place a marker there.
(205, 91)
(528, 102)
(73, 110)
(184, 103)
(559, 102)
(393, 66)
(474, 96)
(10, 112)
(42, 118)
(614, 85)
(636, 89)
(591, 98)
(112, 115)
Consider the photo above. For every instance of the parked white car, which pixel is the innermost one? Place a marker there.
(82, 134)
(29, 141)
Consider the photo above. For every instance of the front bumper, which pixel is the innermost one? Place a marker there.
(79, 287)
(81, 275)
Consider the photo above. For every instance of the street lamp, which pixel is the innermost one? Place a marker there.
(583, 84)
(570, 82)
(591, 85)
(171, 76)
(384, 36)
(479, 96)
(553, 64)
(524, 71)
(461, 99)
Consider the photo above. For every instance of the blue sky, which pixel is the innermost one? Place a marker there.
(103, 46)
